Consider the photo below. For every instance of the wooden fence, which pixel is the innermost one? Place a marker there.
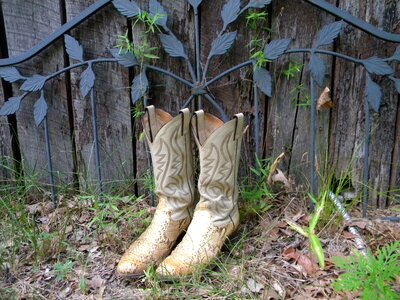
(285, 116)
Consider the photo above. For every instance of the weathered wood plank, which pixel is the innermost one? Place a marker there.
(97, 36)
(26, 24)
(347, 138)
(395, 172)
(165, 92)
(234, 92)
(6, 162)
(288, 127)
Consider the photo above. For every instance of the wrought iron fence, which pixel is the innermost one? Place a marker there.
(198, 82)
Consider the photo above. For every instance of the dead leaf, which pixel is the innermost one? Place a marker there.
(279, 289)
(274, 167)
(281, 178)
(348, 235)
(84, 218)
(96, 282)
(270, 294)
(309, 267)
(302, 260)
(254, 286)
(324, 100)
(290, 253)
(83, 248)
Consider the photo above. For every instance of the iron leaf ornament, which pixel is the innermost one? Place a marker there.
(155, 8)
(73, 48)
(11, 106)
(276, 48)
(317, 68)
(126, 59)
(140, 85)
(258, 3)
(11, 74)
(40, 110)
(328, 34)
(172, 45)
(377, 66)
(373, 93)
(396, 84)
(34, 83)
(396, 54)
(230, 12)
(222, 44)
(195, 3)
(87, 81)
(263, 80)
(127, 8)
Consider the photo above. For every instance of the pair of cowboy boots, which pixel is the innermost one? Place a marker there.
(213, 218)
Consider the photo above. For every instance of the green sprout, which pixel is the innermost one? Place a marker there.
(309, 232)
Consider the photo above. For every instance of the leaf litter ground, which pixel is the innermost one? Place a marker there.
(265, 259)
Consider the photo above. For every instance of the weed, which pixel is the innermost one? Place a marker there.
(309, 232)
(261, 61)
(62, 270)
(257, 22)
(254, 18)
(374, 277)
(142, 51)
(292, 70)
(298, 99)
(255, 194)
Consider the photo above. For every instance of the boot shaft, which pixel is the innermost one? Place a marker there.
(171, 152)
(219, 147)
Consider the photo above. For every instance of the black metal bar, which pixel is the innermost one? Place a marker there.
(56, 35)
(356, 22)
(191, 70)
(367, 134)
(88, 62)
(96, 142)
(257, 137)
(159, 70)
(313, 132)
(227, 72)
(326, 52)
(198, 104)
(50, 162)
(188, 101)
(214, 103)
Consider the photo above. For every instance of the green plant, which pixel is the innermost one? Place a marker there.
(61, 270)
(309, 232)
(292, 70)
(300, 100)
(143, 50)
(255, 194)
(254, 18)
(257, 22)
(261, 61)
(373, 276)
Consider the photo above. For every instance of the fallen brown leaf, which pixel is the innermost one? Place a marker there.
(274, 167)
(96, 282)
(324, 100)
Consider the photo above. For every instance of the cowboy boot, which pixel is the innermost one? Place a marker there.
(171, 152)
(216, 215)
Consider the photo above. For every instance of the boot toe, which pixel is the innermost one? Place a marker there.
(129, 268)
(170, 268)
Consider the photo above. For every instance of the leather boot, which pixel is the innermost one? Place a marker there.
(216, 215)
(170, 146)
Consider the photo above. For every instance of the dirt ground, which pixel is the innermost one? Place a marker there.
(265, 259)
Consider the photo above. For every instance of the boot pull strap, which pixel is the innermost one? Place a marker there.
(185, 115)
(199, 117)
(239, 126)
(151, 120)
